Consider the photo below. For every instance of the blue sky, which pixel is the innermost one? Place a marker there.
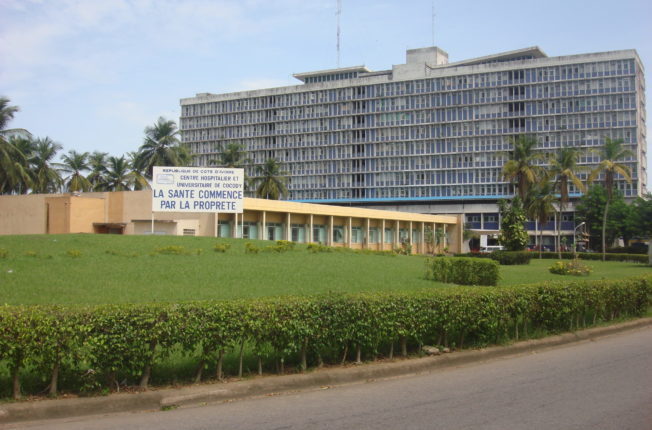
(92, 74)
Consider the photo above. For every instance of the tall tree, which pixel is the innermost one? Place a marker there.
(539, 207)
(97, 164)
(15, 174)
(118, 175)
(6, 112)
(512, 230)
(161, 147)
(137, 174)
(270, 182)
(73, 164)
(590, 209)
(642, 214)
(521, 168)
(564, 168)
(233, 155)
(46, 178)
(611, 153)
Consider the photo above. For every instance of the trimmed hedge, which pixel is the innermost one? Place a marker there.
(463, 271)
(102, 345)
(635, 258)
(511, 258)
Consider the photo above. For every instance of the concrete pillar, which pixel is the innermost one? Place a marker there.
(365, 242)
(349, 232)
(329, 239)
(382, 235)
(288, 227)
(423, 238)
(217, 223)
(309, 237)
(264, 229)
(397, 234)
(434, 237)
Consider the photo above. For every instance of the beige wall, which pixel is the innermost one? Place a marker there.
(23, 214)
(83, 212)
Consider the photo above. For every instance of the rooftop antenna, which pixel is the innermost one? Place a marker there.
(338, 13)
(433, 23)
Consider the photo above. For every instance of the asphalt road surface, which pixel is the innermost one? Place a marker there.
(603, 384)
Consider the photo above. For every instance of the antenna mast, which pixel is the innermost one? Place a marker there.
(433, 23)
(338, 13)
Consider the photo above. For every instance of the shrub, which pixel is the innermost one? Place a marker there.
(4, 253)
(74, 253)
(281, 246)
(573, 267)
(636, 258)
(635, 248)
(510, 258)
(285, 245)
(475, 254)
(171, 250)
(250, 248)
(463, 271)
(318, 247)
(221, 247)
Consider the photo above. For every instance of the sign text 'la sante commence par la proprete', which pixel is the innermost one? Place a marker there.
(197, 189)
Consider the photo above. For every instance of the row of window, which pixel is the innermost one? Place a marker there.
(299, 233)
(476, 104)
(545, 74)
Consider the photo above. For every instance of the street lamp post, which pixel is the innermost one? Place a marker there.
(575, 239)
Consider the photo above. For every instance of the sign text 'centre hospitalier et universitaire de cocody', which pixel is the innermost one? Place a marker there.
(197, 189)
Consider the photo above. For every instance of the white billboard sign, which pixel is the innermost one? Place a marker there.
(197, 189)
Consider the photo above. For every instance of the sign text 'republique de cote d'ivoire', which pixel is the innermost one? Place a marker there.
(197, 189)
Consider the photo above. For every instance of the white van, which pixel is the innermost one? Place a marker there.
(491, 248)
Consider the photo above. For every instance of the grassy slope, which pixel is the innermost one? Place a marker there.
(134, 275)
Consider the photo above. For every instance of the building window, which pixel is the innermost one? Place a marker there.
(338, 234)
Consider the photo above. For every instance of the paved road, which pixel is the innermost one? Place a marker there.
(604, 384)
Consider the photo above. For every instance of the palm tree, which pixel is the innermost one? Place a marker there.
(161, 147)
(97, 166)
(232, 156)
(15, 175)
(271, 181)
(610, 153)
(46, 178)
(539, 206)
(74, 164)
(564, 168)
(520, 167)
(118, 176)
(6, 112)
(138, 176)
(13, 162)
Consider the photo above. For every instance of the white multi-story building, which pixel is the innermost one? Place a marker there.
(428, 136)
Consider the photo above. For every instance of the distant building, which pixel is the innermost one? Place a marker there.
(429, 136)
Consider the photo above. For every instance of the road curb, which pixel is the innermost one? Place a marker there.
(155, 400)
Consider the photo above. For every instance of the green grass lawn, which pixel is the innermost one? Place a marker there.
(42, 269)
